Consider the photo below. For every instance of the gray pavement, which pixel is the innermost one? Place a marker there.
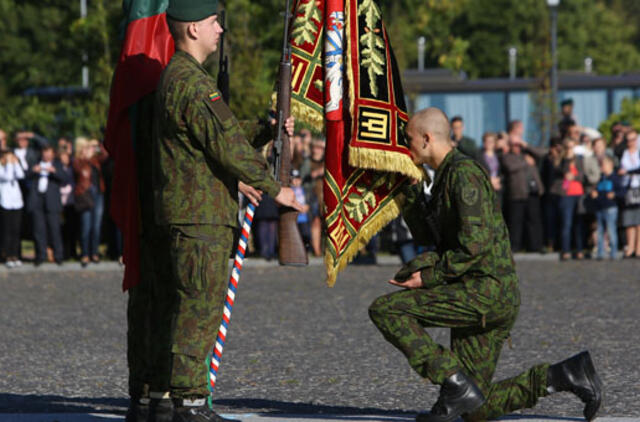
(298, 350)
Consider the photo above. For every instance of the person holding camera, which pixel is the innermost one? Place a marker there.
(11, 204)
(89, 195)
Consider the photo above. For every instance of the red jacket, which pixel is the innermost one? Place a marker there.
(82, 169)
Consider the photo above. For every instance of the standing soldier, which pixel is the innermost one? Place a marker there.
(469, 284)
(199, 156)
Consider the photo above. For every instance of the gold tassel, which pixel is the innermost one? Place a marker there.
(384, 161)
(304, 113)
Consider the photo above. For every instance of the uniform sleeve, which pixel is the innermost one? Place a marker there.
(218, 133)
(258, 132)
(472, 204)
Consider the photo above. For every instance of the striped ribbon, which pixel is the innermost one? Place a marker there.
(216, 354)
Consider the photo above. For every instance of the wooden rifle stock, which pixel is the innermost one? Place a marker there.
(291, 249)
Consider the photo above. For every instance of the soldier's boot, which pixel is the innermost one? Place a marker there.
(161, 410)
(138, 410)
(577, 375)
(200, 412)
(458, 395)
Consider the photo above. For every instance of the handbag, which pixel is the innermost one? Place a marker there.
(84, 201)
(632, 197)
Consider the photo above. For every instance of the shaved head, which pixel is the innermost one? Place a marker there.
(428, 132)
(432, 120)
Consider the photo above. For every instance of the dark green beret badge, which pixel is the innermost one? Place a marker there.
(191, 10)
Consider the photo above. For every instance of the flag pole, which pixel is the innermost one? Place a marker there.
(216, 354)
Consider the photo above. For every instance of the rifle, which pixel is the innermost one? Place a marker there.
(223, 70)
(291, 250)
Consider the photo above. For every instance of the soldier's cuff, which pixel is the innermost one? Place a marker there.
(427, 276)
(431, 278)
(272, 188)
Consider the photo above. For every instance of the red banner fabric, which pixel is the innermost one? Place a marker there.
(146, 50)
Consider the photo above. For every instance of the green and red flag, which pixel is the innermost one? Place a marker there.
(364, 114)
(146, 50)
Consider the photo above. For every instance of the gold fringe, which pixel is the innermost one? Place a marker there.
(364, 235)
(306, 114)
(384, 161)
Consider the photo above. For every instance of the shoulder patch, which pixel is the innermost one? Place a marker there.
(219, 107)
(470, 195)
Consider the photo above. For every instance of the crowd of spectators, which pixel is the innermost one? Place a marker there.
(580, 196)
(53, 194)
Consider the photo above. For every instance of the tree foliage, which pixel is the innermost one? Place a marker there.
(42, 43)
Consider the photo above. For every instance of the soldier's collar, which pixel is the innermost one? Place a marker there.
(190, 59)
(444, 165)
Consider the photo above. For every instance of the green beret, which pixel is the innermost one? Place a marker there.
(191, 10)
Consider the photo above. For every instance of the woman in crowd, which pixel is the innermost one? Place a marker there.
(316, 201)
(552, 178)
(69, 214)
(630, 220)
(89, 195)
(11, 204)
(572, 192)
(492, 162)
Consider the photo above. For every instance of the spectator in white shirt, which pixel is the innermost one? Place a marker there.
(11, 205)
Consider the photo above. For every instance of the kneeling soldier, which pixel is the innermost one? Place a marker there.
(468, 284)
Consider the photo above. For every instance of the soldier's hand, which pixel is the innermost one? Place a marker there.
(413, 282)
(254, 195)
(286, 197)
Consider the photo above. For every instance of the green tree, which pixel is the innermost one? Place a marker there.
(41, 46)
(629, 112)
(586, 28)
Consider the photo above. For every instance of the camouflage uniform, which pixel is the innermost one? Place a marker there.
(199, 154)
(469, 285)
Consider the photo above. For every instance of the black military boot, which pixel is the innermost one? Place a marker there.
(199, 413)
(458, 395)
(161, 410)
(138, 410)
(577, 375)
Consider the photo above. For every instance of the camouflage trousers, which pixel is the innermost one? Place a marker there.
(200, 267)
(479, 326)
(149, 316)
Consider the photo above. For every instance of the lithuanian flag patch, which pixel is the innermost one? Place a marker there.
(215, 97)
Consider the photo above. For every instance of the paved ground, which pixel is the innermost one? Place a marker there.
(298, 348)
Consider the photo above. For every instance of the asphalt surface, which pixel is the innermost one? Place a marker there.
(296, 347)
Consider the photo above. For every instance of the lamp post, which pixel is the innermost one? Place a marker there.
(85, 57)
(513, 58)
(553, 8)
(421, 47)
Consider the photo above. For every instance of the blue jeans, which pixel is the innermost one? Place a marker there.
(570, 223)
(607, 218)
(91, 223)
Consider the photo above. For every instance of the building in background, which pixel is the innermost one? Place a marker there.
(489, 104)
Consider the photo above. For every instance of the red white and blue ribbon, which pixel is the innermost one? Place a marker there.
(216, 354)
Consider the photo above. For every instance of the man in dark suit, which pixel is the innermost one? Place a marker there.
(45, 206)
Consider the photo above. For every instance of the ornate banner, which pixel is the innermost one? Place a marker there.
(367, 158)
(378, 109)
(307, 98)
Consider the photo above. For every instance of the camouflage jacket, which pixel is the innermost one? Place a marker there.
(464, 221)
(199, 150)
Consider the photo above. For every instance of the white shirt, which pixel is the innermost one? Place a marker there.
(43, 181)
(21, 153)
(631, 161)
(10, 194)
